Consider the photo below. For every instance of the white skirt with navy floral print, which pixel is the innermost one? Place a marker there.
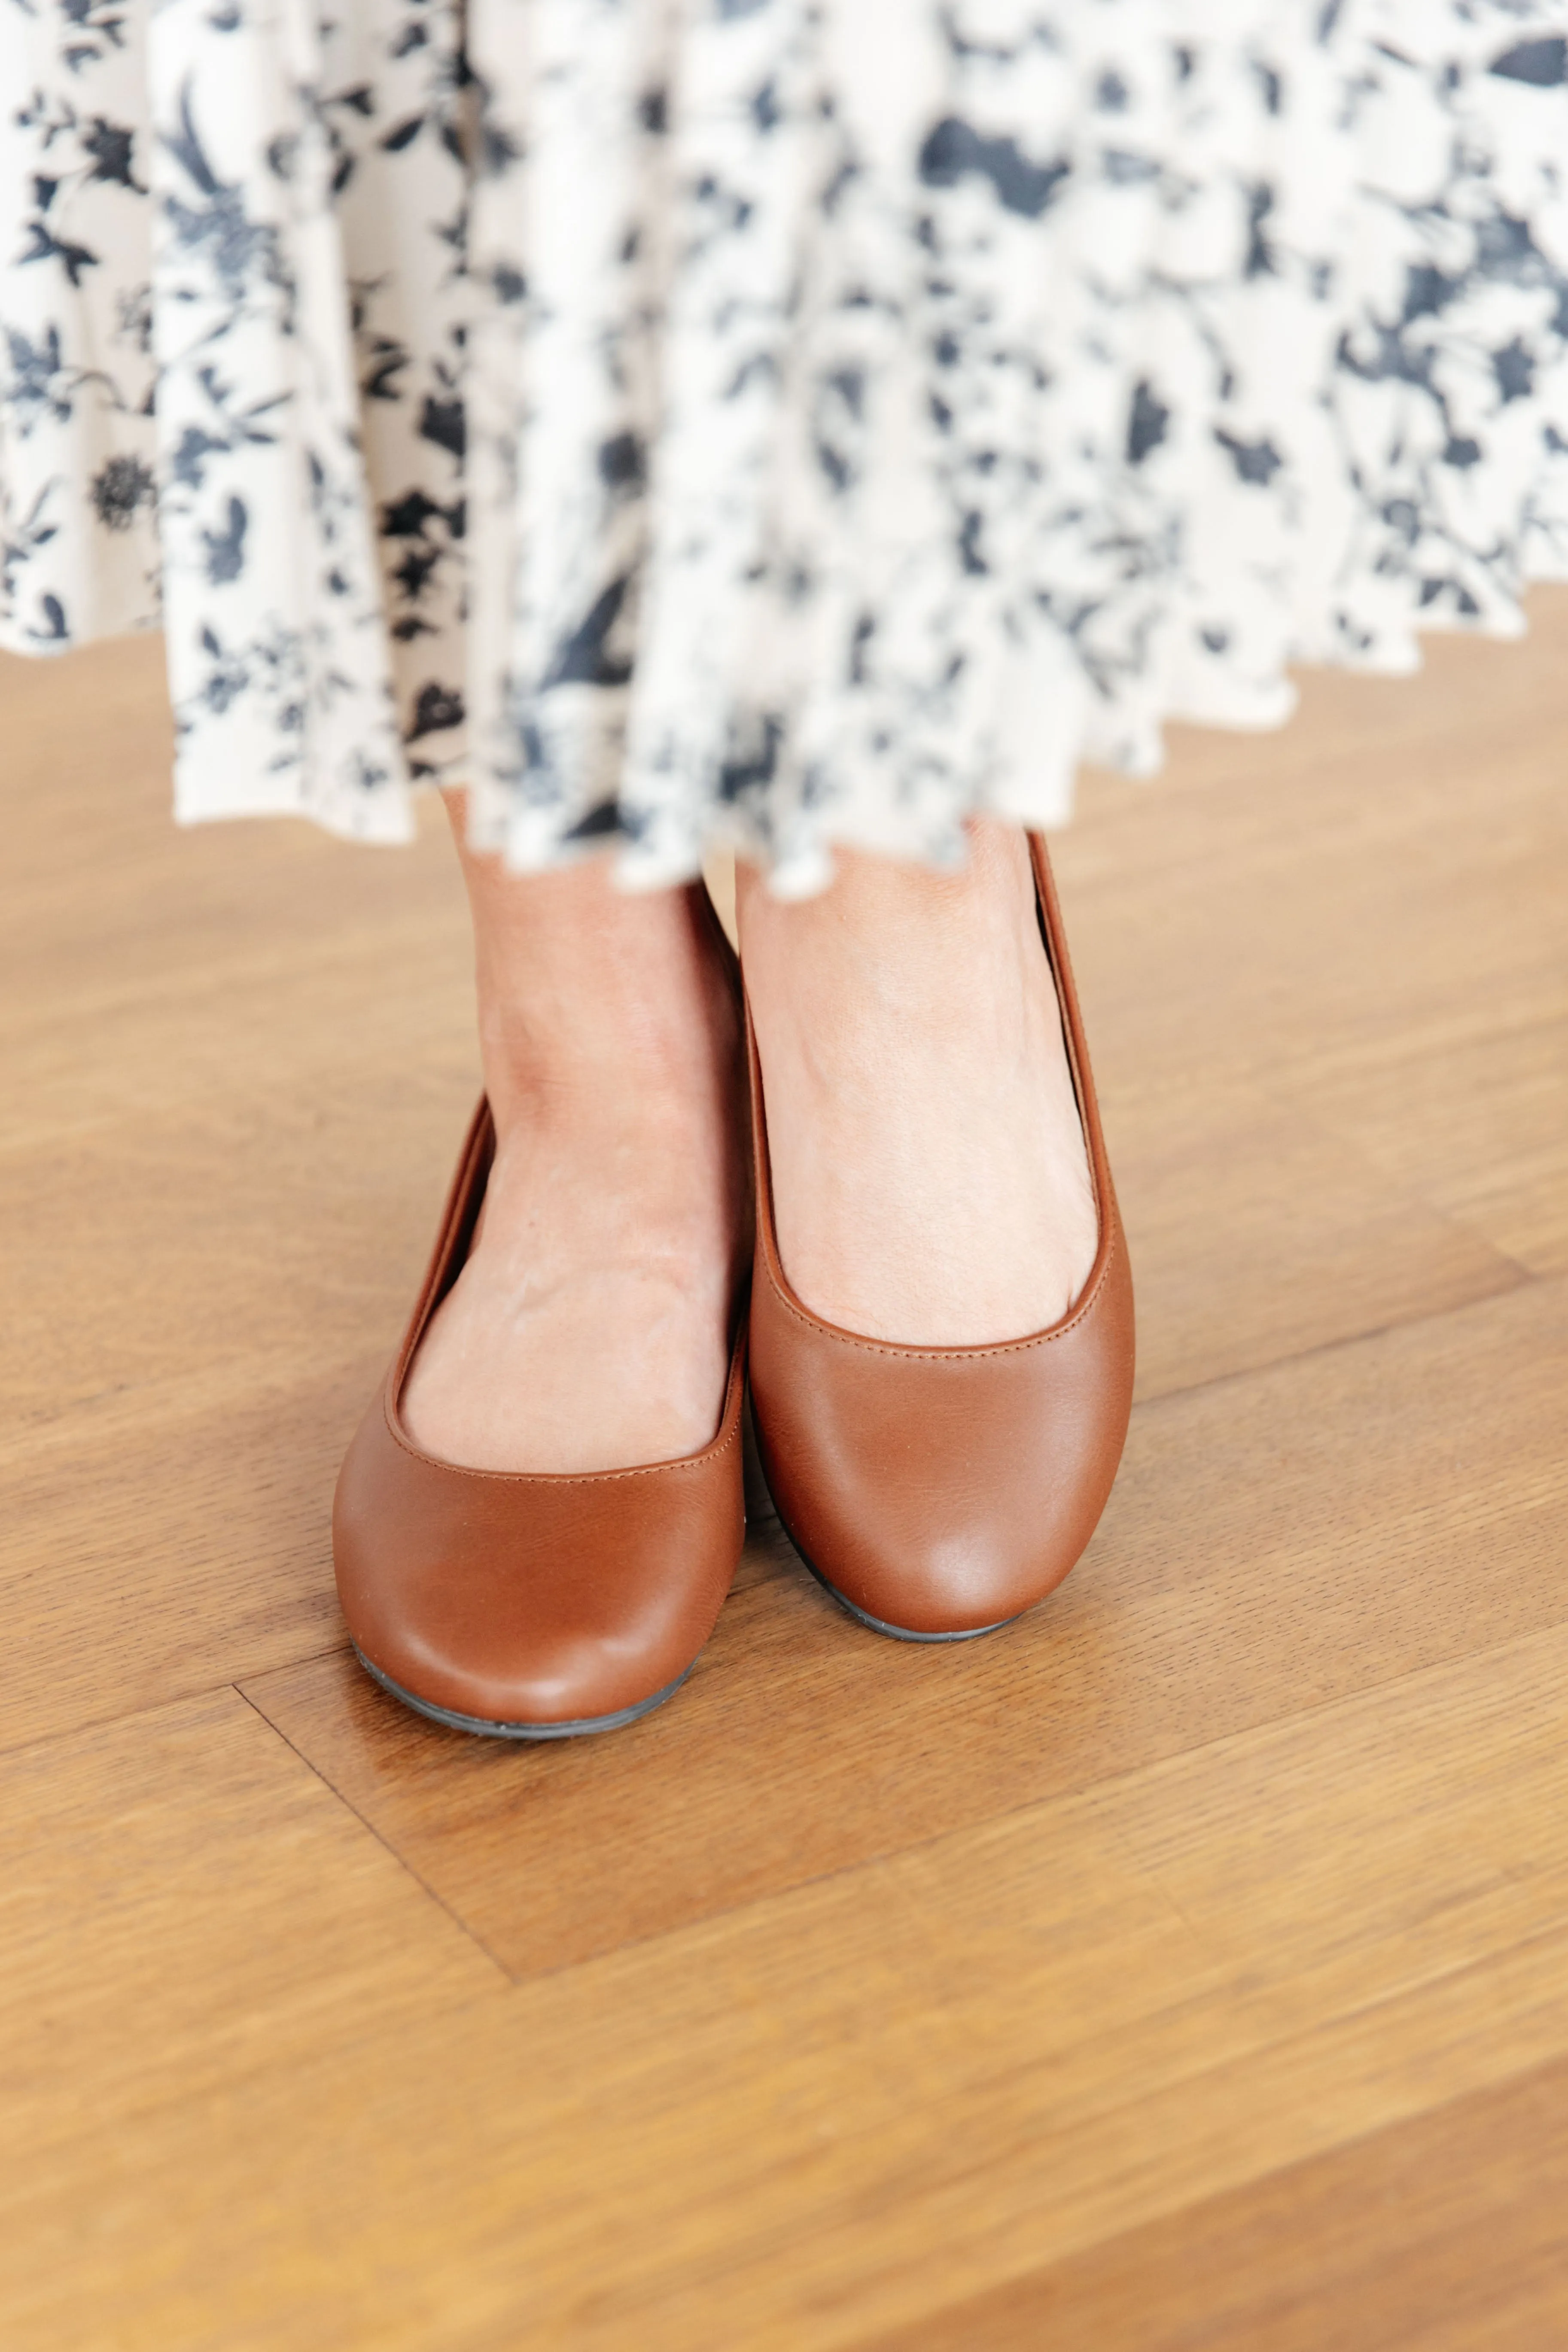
(767, 422)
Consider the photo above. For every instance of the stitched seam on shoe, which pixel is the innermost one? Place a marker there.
(819, 1329)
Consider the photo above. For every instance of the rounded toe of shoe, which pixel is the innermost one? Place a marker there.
(529, 1604)
(961, 1501)
(931, 1582)
(519, 1677)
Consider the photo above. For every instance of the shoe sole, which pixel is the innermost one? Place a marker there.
(901, 1633)
(485, 1727)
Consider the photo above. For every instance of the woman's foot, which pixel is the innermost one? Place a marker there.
(930, 1185)
(590, 1327)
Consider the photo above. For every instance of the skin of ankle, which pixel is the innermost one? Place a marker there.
(589, 1326)
(588, 992)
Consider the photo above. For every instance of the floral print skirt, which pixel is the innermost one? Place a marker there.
(767, 422)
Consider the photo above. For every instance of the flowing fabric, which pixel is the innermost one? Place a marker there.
(767, 422)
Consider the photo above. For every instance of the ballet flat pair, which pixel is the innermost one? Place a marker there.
(937, 1491)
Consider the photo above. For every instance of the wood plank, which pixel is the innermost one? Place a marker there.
(184, 1906)
(142, 967)
(234, 1065)
(1326, 959)
(1273, 1543)
(151, 1550)
(1481, 1130)
(88, 747)
(1466, 684)
(1391, 866)
(244, 1230)
(846, 2106)
(270, 1024)
(1448, 2233)
(203, 1304)
(1256, 1232)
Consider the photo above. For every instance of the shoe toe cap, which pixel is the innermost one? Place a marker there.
(530, 1603)
(942, 1492)
(493, 1665)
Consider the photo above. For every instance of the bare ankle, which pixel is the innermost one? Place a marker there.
(591, 997)
(948, 955)
(591, 1325)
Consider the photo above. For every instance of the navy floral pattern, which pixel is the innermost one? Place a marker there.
(767, 422)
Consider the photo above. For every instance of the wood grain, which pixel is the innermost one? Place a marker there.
(1479, 1129)
(1389, 868)
(1413, 1509)
(184, 1903)
(1260, 1231)
(205, 1301)
(841, 2108)
(234, 1067)
(1448, 2233)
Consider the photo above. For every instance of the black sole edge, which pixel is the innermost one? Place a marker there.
(483, 1727)
(901, 1633)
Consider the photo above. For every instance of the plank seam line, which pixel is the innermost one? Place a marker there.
(1528, 1279)
(170, 1698)
(1290, 1105)
(1071, 1793)
(401, 1860)
(890, 2340)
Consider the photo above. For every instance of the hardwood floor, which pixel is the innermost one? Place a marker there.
(1184, 1969)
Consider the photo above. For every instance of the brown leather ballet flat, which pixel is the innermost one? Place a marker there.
(939, 1492)
(519, 1604)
